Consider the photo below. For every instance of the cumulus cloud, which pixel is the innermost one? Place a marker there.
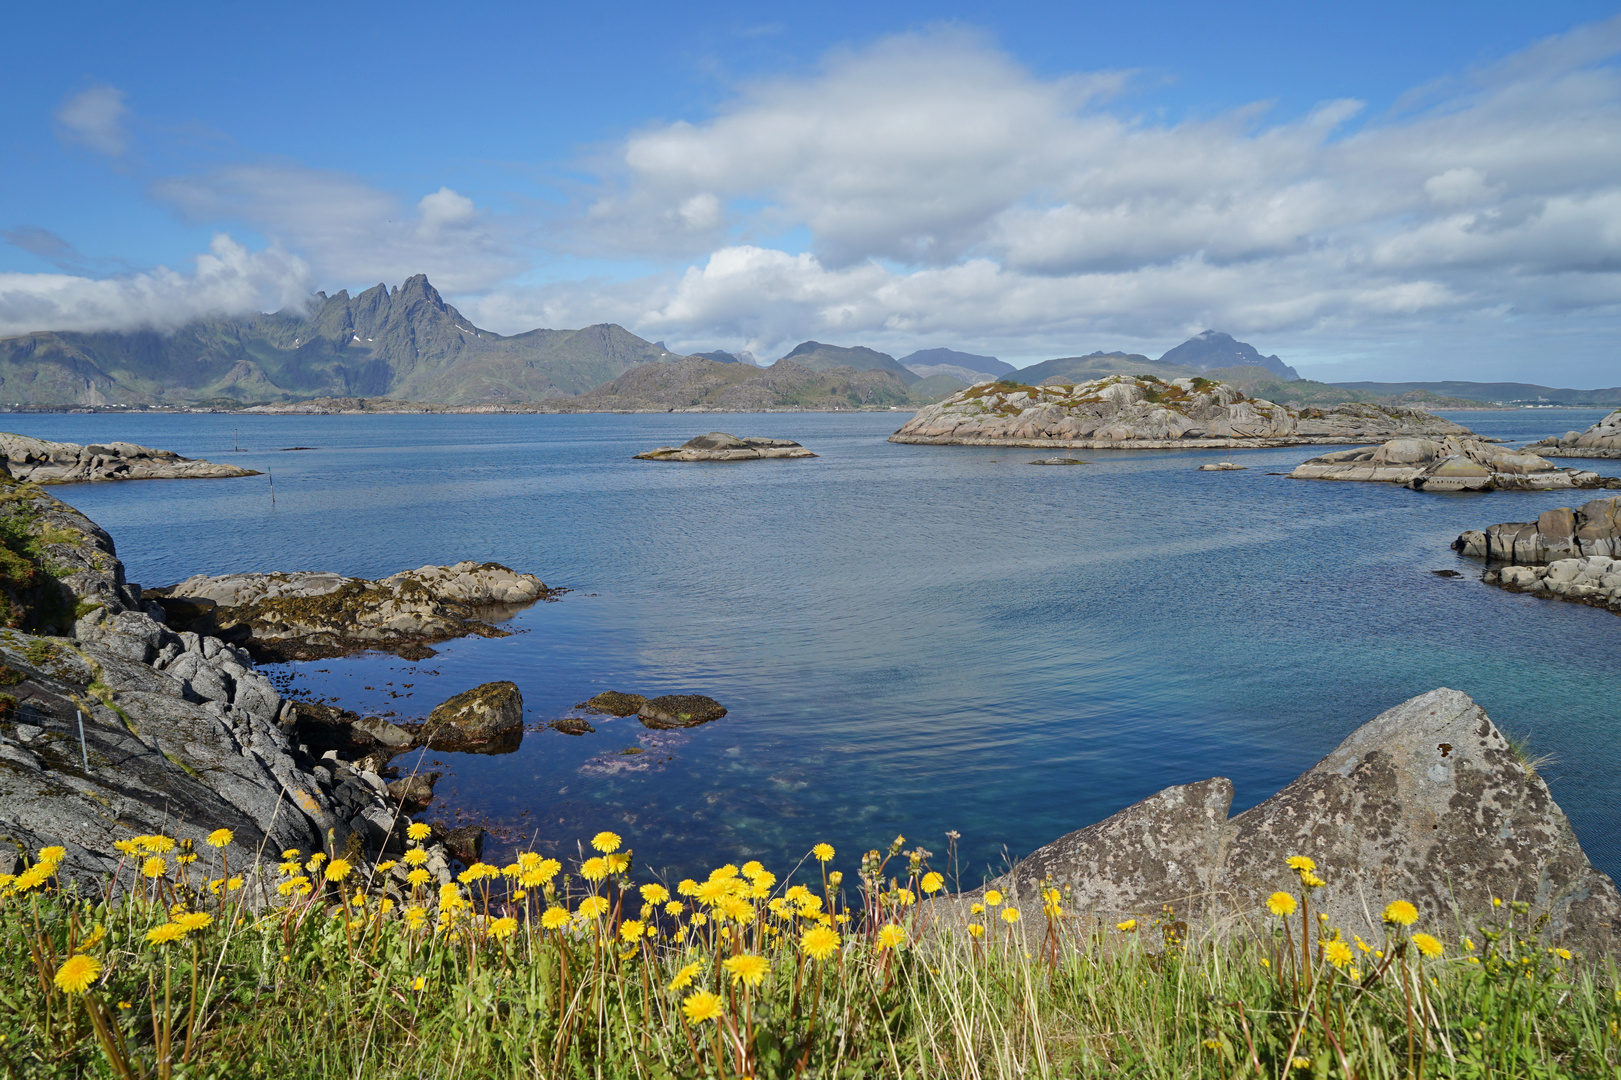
(228, 280)
(349, 230)
(947, 190)
(95, 118)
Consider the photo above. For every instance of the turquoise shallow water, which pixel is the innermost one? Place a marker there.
(910, 639)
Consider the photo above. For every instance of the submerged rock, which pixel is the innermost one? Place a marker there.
(1146, 412)
(1602, 440)
(572, 725)
(1222, 466)
(487, 719)
(1426, 803)
(307, 615)
(613, 703)
(680, 711)
(1060, 461)
(39, 461)
(719, 446)
(1449, 464)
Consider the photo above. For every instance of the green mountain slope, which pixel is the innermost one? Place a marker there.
(404, 343)
(1096, 365)
(694, 383)
(819, 357)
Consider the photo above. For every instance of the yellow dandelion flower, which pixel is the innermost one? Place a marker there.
(1311, 880)
(419, 982)
(162, 935)
(701, 1006)
(292, 853)
(338, 869)
(53, 854)
(92, 939)
(1302, 863)
(976, 909)
(976, 930)
(993, 898)
(594, 869)
(450, 897)
(1212, 1044)
(683, 978)
(1281, 903)
(503, 927)
(415, 916)
(1427, 945)
(1010, 915)
(77, 974)
(752, 869)
(699, 919)
(593, 906)
(419, 876)
(1128, 926)
(127, 847)
(606, 842)
(194, 920)
(220, 837)
(35, 876)
(835, 878)
(905, 897)
(1497, 901)
(185, 859)
(723, 873)
(1299, 1063)
(415, 857)
(618, 862)
(747, 969)
(932, 882)
(655, 894)
(688, 887)
(1563, 954)
(1337, 953)
(632, 930)
(157, 845)
(674, 908)
(891, 936)
(153, 868)
(1401, 913)
(419, 830)
(819, 942)
(713, 892)
(823, 852)
(386, 865)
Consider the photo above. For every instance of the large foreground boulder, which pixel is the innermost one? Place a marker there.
(1602, 440)
(307, 615)
(1426, 803)
(40, 461)
(1146, 412)
(1448, 464)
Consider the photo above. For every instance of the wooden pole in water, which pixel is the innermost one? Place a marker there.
(272, 488)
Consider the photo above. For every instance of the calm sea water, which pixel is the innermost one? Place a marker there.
(910, 639)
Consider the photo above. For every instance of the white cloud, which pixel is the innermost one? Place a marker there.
(95, 118)
(349, 230)
(228, 280)
(948, 191)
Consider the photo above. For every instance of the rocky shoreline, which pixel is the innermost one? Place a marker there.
(719, 446)
(1565, 554)
(1602, 440)
(1146, 413)
(39, 461)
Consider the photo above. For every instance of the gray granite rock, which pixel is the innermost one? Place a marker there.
(1448, 464)
(1602, 440)
(719, 446)
(1426, 803)
(487, 719)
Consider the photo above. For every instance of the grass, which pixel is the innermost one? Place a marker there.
(529, 971)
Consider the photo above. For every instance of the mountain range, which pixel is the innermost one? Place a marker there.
(404, 343)
(407, 344)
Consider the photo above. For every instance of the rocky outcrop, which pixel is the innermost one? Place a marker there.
(1565, 554)
(719, 446)
(307, 615)
(1448, 464)
(1593, 528)
(613, 703)
(41, 462)
(487, 719)
(1426, 803)
(1145, 412)
(1602, 440)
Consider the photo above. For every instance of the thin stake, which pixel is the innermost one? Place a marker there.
(272, 488)
(82, 748)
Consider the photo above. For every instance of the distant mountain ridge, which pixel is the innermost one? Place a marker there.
(1214, 349)
(821, 357)
(404, 342)
(927, 362)
(1504, 392)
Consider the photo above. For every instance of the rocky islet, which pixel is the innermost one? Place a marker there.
(1146, 412)
(1602, 440)
(40, 461)
(719, 446)
(1452, 463)
(1567, 554)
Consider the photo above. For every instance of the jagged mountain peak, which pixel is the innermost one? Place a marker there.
(1216, 349)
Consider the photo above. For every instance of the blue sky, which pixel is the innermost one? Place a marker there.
(1371, 191)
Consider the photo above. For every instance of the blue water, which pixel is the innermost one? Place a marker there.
(910, 639)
